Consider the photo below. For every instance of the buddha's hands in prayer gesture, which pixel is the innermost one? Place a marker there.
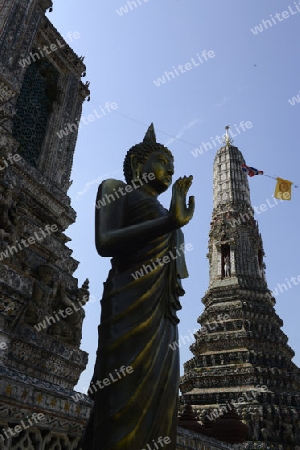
(181, 214)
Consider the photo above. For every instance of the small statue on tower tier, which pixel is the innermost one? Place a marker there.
(227, 266)
(44, 289)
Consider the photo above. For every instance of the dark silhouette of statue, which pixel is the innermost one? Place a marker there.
(136, 375)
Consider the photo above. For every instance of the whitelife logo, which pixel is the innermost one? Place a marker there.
(71, 127)
(162, 441)
(294, 100)
(106, 382)
(265, 24)
(206, 146)
(63, 313)
(34, 419)
(48, 49)
(108, 198)
(168, 76)
(233, 403)
(124, 9)
(23, 243)
(162, 261)
(11, 159)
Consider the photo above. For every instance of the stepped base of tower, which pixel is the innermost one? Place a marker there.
(188, 440)
(242, 362)
(37, 376)
(276, 423)
(39, 415)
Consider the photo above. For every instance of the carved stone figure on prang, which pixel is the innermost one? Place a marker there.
(7, 206)
(76, 319)
(287, 433)
(11, 227)
(255, 423)
(69, 308)
(44, 289)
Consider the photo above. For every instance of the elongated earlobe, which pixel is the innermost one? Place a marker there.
(135, 168)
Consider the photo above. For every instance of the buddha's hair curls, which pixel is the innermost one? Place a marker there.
(142, 152)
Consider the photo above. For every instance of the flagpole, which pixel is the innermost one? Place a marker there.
(273, 178)
(269, 176)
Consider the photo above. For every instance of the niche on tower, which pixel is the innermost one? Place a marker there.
(225, 261)
(261, 264)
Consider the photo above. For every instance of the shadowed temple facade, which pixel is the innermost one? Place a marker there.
(41, 304)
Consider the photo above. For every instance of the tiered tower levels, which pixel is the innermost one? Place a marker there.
(241, 356)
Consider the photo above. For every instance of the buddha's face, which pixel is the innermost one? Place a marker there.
(161, 165)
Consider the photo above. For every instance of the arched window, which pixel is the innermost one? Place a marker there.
(33, 108)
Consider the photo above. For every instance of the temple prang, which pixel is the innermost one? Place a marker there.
(244, 361)
(41, 305)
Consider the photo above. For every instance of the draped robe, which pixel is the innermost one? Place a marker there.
(138, 324)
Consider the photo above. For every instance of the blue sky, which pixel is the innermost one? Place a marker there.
(251, 77)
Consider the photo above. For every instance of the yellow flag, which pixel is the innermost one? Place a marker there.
(283, 189)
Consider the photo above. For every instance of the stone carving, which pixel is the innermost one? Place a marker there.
(70, 307)
(8, 307)
(33, 439)
(12, 228)
(44, 289)
(7, 215)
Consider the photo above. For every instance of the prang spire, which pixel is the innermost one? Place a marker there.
(228, 139)
(241, 355)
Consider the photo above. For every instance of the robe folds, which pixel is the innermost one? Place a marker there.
(138, 324)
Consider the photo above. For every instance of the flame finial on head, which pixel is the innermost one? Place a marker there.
(150, 136)
(142, 151)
